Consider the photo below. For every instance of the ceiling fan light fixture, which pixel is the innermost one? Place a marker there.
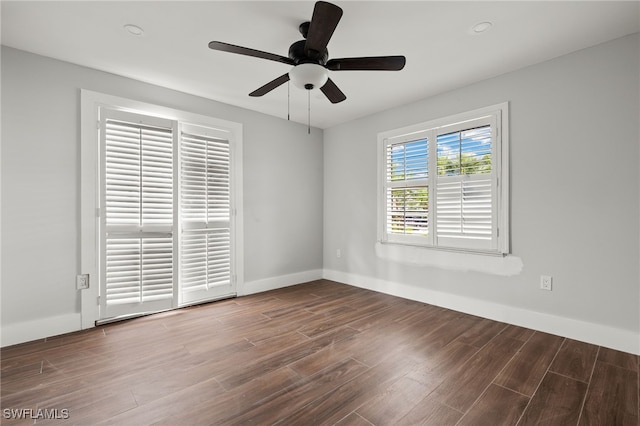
(309, 76)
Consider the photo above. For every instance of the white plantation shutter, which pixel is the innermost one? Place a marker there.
(139, 174)
(139, 269)
(205, 173)
(465, 188)
(407, 187)
(206, 258)
(464, 206)
(134, 228)
(408, 210)
(138, 200)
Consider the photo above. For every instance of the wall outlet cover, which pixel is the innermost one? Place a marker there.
(545, 282)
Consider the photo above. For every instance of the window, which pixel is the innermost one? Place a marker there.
(443, 183)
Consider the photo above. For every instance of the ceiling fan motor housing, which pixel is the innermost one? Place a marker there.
(300, 55)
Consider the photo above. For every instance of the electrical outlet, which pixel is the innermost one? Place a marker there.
(545, 282)
(338, 253)
(82, 281)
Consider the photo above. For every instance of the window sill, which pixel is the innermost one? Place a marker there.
(506, 265)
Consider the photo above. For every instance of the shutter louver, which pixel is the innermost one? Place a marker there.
(138, 205)
(157, 178)
(123, 174)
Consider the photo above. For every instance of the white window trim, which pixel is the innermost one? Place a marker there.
(502, 172)
(90, 104)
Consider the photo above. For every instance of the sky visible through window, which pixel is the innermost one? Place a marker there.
(463, 152)
(466, 152)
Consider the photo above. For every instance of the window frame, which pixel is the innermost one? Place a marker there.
(495, 115)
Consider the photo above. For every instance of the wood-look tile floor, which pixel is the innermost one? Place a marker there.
(317, 353)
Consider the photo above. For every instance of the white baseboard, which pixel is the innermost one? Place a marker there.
(266, 284)
(26, 331)
(597, 334)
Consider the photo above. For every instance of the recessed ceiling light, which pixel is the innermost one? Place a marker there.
(134, 29)
(481, 27)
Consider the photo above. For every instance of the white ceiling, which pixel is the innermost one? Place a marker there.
(436, 37)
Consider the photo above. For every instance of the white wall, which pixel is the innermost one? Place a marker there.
(574, 199)
(41, 190)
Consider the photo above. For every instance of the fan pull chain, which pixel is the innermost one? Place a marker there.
(288, 100)
(309, 111)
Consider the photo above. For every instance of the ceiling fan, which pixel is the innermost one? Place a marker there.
(310, 58)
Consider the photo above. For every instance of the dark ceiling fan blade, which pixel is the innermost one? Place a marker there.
(332, 92)
(270, 86)
(375, 63)
(324, 21)
(231, 48)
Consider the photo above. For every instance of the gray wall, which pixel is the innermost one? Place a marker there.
(574, 192)
(41, 187)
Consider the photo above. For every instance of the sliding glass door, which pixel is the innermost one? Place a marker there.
(166, 216)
